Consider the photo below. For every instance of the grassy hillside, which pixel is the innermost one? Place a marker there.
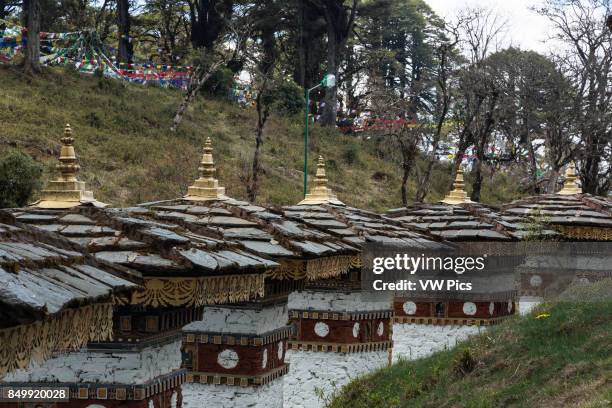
(128, 155)
(564, 360)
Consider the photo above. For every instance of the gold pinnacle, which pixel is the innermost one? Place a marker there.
(320, 193)
(206, 187)
(458, 194)
(569, 185)
(66, 191)
(68, 166)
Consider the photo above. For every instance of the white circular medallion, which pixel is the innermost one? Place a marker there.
(509, 306)
(356, 330)
(491, 308)
(409, 308)
(264, 361)
(228, 359)
(469, 308)
(535, 281)
(381, 329)
(321, 329)
(280, 350)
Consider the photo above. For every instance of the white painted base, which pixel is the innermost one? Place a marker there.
(226, 396)
(340, 302)
(313, 375)
(240, 321)
(412, 341)
(125, 367)
(527, 303)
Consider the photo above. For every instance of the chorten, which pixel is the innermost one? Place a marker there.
(458, 194)
(66, 191)
(320, 193)
(570, 186)
(206, 187)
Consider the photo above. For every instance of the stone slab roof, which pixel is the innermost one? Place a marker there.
(570, 210)
(358, 227)
(466, 222)
(152, 241)
(263, 231)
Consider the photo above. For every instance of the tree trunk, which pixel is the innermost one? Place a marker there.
(552, 181)
(425, 180)
(408, 150)
(477, 181)
(301, 46)
(262, 116)
(328, 117)
(125, 48)
(590, 169)
(199, 78)
(533, 168)
(32, 54)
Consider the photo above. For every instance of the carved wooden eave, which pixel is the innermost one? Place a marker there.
(66, 191)
(70, 329)
(52, 297)
(196, 292)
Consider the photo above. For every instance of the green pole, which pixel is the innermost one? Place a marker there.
(307, 97)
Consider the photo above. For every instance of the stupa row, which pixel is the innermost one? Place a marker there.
(206, 300)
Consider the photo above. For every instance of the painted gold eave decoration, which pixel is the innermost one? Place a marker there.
(585, 233)
(71, 329)
(570, 186)
(195, 292)
(313, 269)
(457, 195)
(66, 191)
(320, 193)
(206, 187)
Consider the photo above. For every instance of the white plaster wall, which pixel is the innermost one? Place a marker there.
(340, 302)
(325, 372)
(412, 341)
(227, 396)
(240, 321)
(527, 303)
(131, 367)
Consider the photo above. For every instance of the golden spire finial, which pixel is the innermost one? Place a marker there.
(68, 166)
(207, 186)
(458, 194)
(569, 185)
(66, 191)
(320, 193)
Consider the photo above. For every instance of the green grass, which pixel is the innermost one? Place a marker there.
(564, 360)
(128, 155)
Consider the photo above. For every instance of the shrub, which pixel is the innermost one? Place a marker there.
(288, 98)
(19, 178)
(351, 154)
(464, 363)
(220, 82)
